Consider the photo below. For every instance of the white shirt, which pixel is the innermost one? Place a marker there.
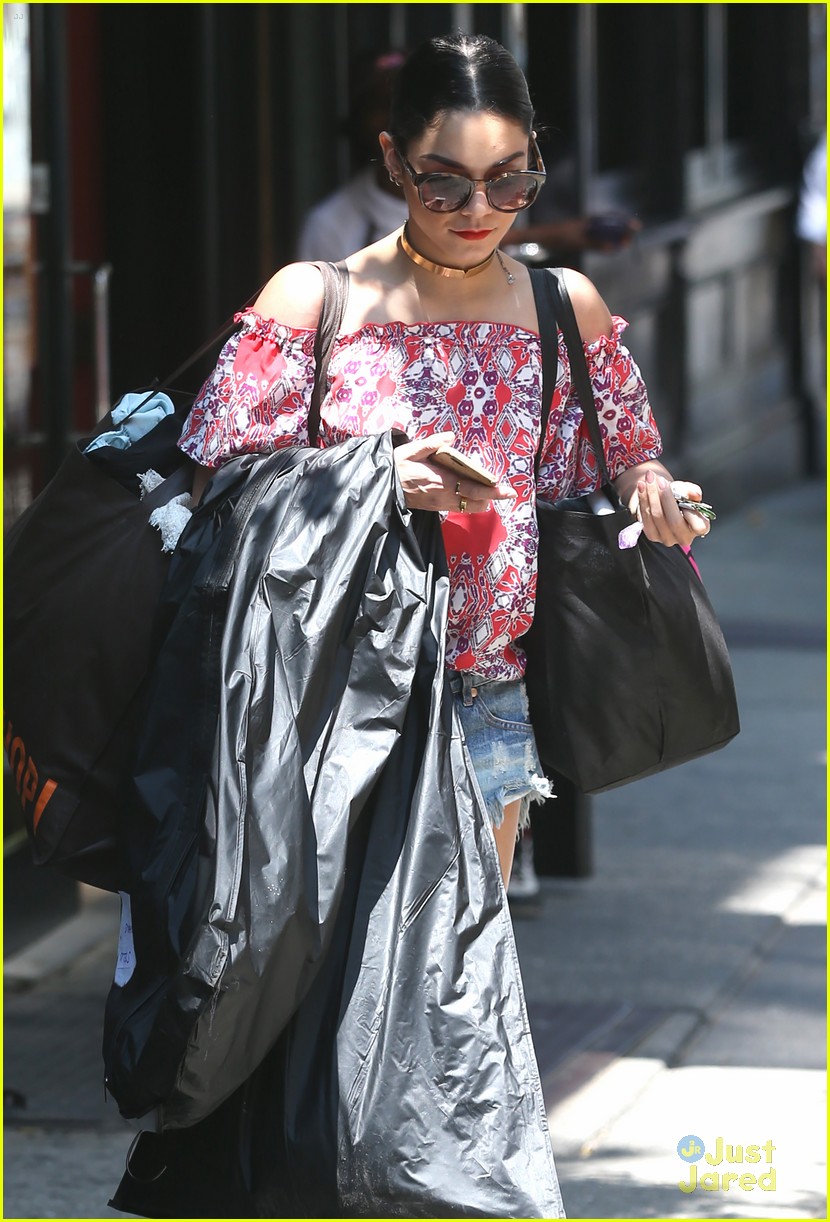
(353, 217)
(811, 219)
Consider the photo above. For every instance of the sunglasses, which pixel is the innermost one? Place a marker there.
(510, 192)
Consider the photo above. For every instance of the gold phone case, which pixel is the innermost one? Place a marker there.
(447, 457)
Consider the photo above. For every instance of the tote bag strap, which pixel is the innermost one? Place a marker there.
(335, 295)
(219, 337)
(554, 306)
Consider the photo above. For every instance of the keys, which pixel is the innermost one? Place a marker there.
(700, 507)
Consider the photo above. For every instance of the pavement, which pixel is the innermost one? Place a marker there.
(676, 996)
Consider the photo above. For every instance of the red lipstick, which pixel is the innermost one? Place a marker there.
(472, 235)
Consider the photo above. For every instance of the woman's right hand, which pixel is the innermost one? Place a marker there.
(428, 486)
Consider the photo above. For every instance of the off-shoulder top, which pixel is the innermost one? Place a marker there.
(482, 380)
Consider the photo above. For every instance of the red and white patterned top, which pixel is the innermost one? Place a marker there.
(482, 380)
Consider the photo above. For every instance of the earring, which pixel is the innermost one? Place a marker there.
(395, 182)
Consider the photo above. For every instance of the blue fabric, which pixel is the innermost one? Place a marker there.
(499, 736)
(130, 431)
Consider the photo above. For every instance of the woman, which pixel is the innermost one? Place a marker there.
(440, 339)
(403, 1083)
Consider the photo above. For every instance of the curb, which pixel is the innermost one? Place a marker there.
(577, 1123)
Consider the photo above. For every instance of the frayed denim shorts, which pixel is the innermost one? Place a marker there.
(499, 736)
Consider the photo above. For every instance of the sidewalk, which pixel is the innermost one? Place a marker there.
(705, 918)
(677, 992)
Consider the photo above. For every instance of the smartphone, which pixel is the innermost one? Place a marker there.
(461, 464)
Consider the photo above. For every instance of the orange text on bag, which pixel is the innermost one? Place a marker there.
(26, 779)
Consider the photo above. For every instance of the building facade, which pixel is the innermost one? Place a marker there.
(163, 157)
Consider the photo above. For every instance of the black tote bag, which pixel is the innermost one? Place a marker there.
(627, 670)
(83, 574)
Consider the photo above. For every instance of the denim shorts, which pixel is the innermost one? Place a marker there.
(496, 724)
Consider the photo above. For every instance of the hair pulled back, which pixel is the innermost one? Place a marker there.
(466, 72)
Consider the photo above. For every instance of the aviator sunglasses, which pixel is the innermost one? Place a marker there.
(510, 192)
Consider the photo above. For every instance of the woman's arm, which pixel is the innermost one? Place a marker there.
(201, 479)
(646, 488)
(294, 297)
(592, 314)
(426, 485)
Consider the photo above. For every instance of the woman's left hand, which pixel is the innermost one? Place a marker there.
(653, 503)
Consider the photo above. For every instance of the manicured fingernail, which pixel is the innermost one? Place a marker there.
(662, 483)
(650, 477)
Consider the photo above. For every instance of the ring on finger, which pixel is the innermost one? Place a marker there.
(462, 504)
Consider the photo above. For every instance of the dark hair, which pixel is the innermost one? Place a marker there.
(466, 72)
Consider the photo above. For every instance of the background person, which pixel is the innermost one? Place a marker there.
(371, 204)
(811, 217)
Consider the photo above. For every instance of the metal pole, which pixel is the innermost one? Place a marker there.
(265, 143)
(462, 18)
(210, 193)
(397, 26)
(101, 296)
(341, 69)
(514, 32)
(715, 58)
(586, 104)
(817, 63)
(57, 257)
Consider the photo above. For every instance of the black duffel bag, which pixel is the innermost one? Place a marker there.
(84, 572)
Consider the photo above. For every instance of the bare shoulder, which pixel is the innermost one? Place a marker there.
(293, 296)
(592, 314)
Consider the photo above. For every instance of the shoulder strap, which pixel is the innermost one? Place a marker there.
(540, 282)
(553, 305)
(221, 335)
(160, 384)
(335, 295)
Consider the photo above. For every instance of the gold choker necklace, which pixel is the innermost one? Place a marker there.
(439, 269)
